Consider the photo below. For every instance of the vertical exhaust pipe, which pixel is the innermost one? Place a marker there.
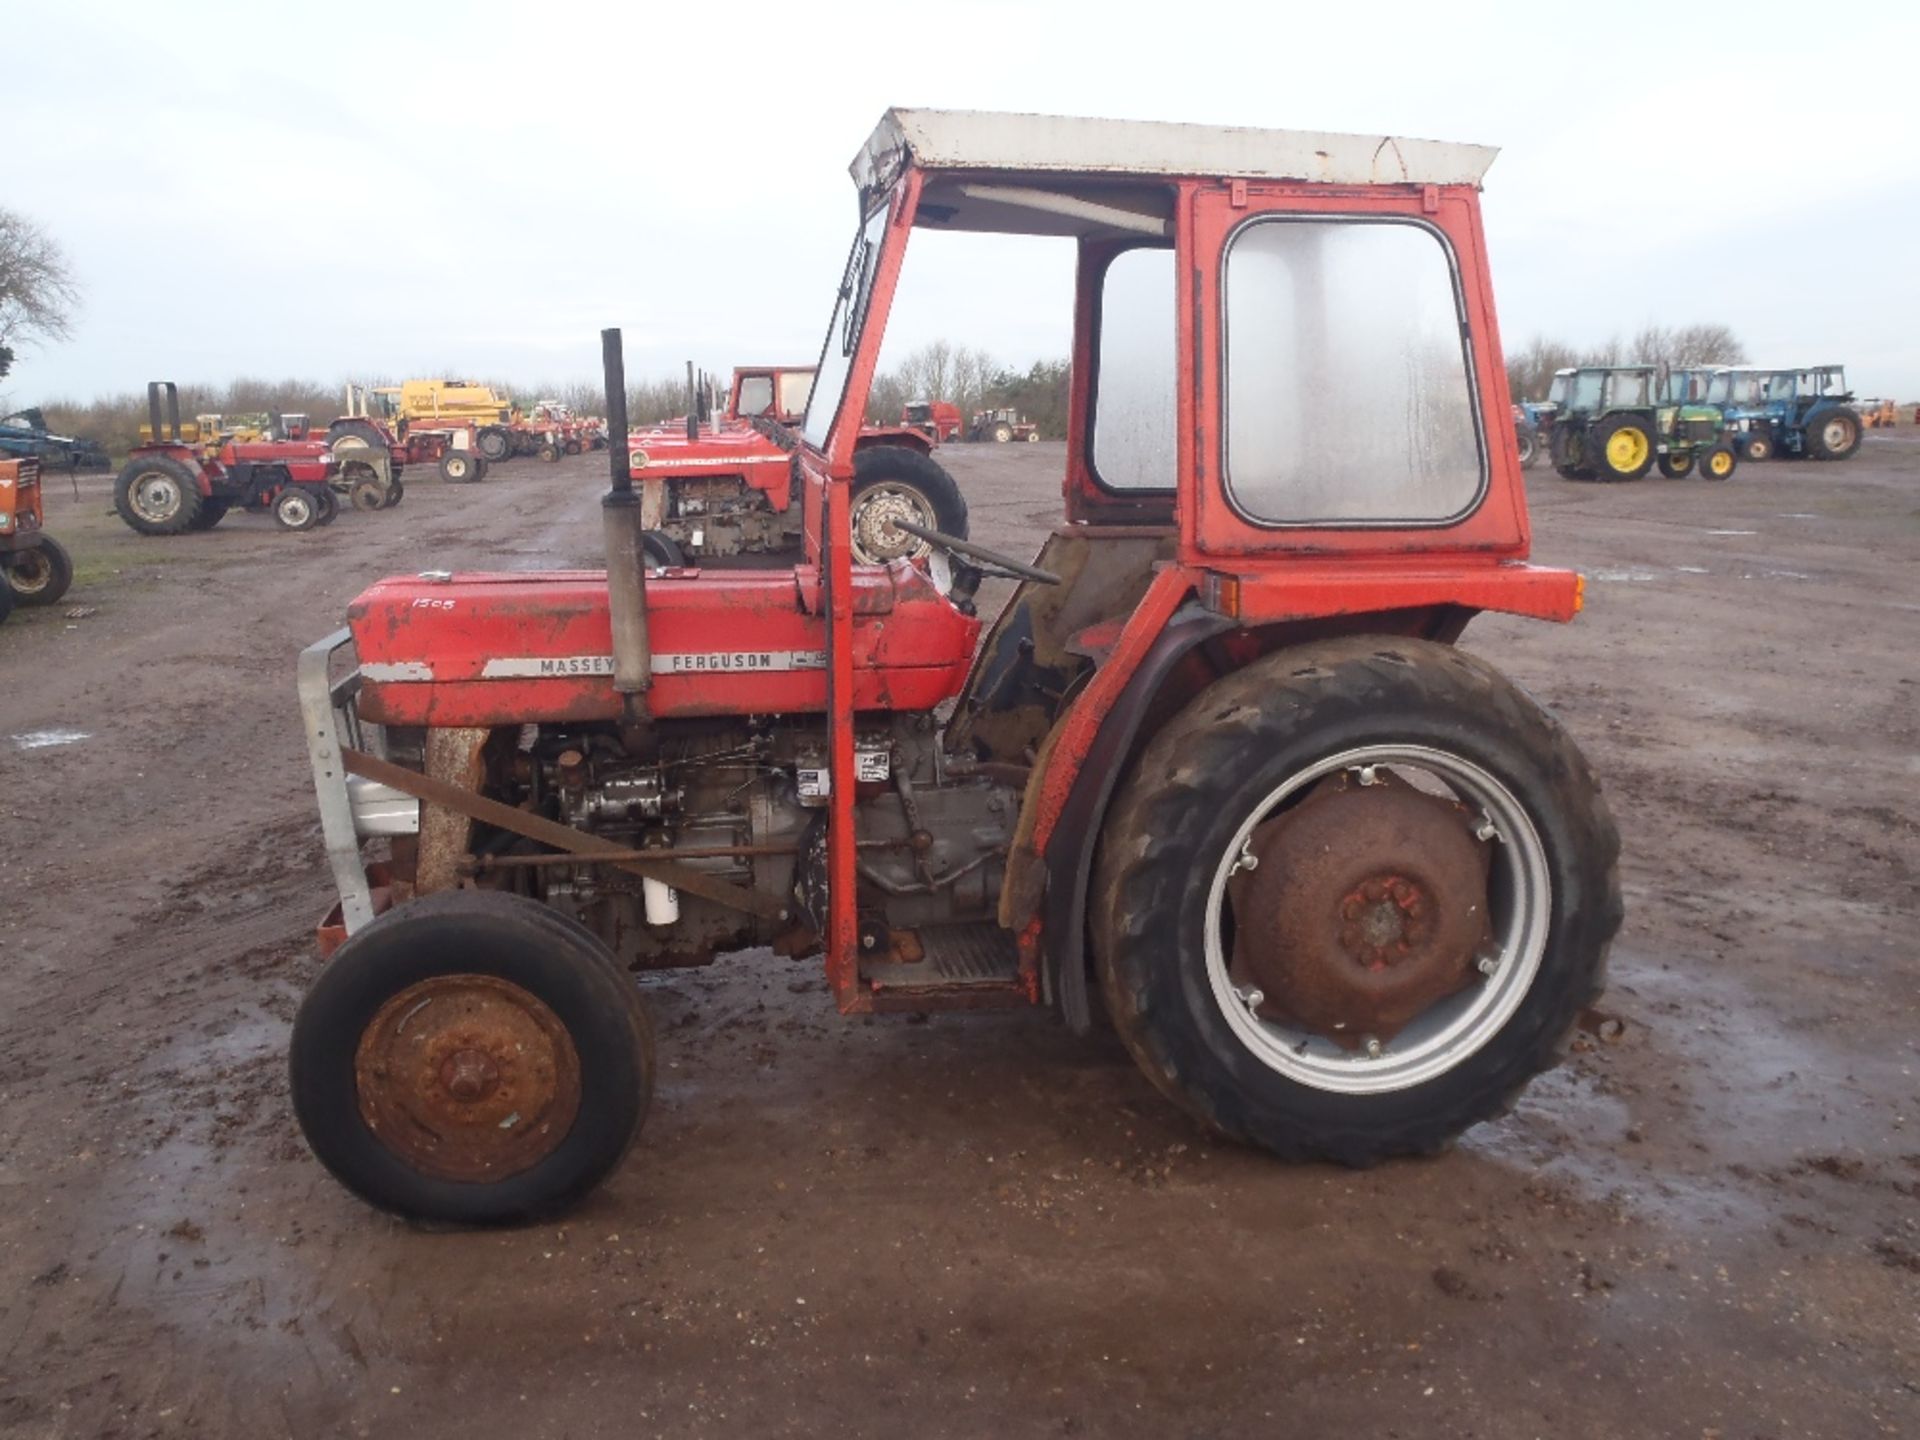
(693, 406)
(626, 554)
(153, 411)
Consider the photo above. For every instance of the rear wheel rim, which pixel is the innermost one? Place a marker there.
(875, 539)
(1627, 449)
(155, 497)
(1453, 1029)
(1837, 433)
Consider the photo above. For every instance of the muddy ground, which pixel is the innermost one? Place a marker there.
(984, 1226)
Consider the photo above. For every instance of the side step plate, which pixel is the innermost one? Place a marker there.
(965, 967)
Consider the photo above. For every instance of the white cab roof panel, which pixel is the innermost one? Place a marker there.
(1072, 145)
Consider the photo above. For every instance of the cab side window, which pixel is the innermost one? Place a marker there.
(1349, 397)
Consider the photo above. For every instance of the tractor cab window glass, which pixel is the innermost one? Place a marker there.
(1347, 389)
(843, 330)
(1780, 387)
(1133, 410)
(1557, 392)
(1584, 394)
(1629, 390)
(756, 394)
(795, 387)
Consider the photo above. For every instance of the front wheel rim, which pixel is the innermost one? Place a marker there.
(875, 539)
(1453, 1029)
(32, 573)
(296, 510)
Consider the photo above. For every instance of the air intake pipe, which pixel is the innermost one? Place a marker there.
(626, 552)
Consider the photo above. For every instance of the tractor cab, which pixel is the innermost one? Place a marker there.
(1343, 887)
(770, 392)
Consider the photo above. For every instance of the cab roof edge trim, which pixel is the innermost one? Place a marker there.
(1079, 145)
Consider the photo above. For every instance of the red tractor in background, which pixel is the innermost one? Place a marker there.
(36, 567)
(373, 423)
(938, 420)
(1344, 888)
(1002, 425)
(717, 488)
(179, 479)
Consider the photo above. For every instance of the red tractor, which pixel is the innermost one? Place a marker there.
(1344, 888)
(35, 568)
(938, 420)
(725, 487)
(373, 423)
(179, 478)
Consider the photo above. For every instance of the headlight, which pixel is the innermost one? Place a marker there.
(637, 459)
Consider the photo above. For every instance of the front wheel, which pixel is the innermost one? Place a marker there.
(1353, 898)
(328, 502)
(40, 576)
(471, 1058)
(1677, 466)
(457, 467)
(1527, 439)
(1717, 462)
(295, 509)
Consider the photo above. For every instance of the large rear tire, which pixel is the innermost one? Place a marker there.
(1834, 434)
(1420, 948)
(1756, 445)
(1622, 447)
(1568, 448)
(158, 495)
(495, 444)
(891, 482)
(531, 1061)
(39, 576)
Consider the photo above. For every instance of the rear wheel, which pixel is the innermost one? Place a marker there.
(354, 434)
(1002, 432)
(457, 467)
(549, 452)
(158, 495)
(1568, 446)
(891, 482)
(294, 508)
(1352, 899)
(1622, 447)
(473, 1058)
(1527, 439)
(1834, 434)
(495, 444)
(1677, 466)
(41, 575)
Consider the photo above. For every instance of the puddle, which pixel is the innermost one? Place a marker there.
(1623, 576)
(41, 739)
(1798, 515)
(1733, 532)
(1693, 569)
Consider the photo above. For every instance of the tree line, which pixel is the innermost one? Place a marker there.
(972, 381)
(1530, 370)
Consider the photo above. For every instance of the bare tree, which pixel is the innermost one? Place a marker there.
(37, 289)
(1531, 369)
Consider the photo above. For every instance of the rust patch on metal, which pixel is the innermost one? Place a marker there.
(453, 757)
(467, 1077)
(1367, 905)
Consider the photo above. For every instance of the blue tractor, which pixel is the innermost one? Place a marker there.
(1805, 414)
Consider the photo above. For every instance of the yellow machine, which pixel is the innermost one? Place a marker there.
(440, 400)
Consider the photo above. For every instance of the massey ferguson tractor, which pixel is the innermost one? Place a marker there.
(1342, 888)
(719, 487)
(181, 478)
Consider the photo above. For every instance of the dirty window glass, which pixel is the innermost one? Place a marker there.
(756, 394)
(1348, 396)
(843, 329)
(1628, 389)
(795, 386)
(1133, 407)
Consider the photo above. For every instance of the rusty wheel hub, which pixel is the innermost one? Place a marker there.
(468, 1077)
(1367, 904)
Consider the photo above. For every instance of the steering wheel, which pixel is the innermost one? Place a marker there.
(981, 559)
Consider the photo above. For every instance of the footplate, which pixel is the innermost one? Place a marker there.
(962, 967)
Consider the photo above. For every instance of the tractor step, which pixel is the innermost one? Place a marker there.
(963, 966)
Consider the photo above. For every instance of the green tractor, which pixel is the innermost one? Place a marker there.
(1615, 422)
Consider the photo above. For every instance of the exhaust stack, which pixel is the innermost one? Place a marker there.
(626, 555)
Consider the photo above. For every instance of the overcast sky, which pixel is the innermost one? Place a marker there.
(343, 190)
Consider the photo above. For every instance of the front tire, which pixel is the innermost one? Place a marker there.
(40, 576)
(1677, 467)
(1292, 1066)
(457, 467)
(1527, 440)
(513, 1099)
(1717, 462)
(295, 509)
(891, 482)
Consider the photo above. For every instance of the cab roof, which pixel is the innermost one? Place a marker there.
(1075, 145)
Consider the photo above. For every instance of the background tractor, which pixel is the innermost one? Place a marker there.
(1802, 414)
(37, 568)
(1615, 422)
(1001, 426)
(1343, 887)
(374, 422)
(723, 486)
(179, 478)
(939, 420)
